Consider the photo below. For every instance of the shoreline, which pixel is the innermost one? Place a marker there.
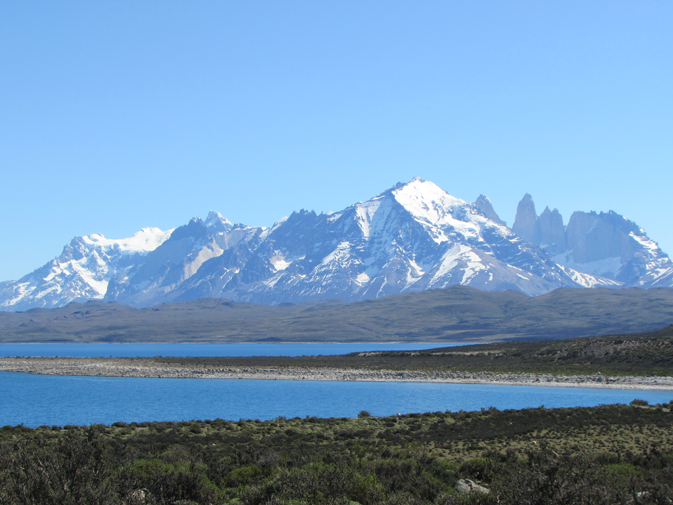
(145, 368)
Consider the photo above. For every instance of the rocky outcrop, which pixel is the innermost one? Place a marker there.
(546, 230)
(607, 246)
(465, 486)
(551, 232)
(525, 223)
(484, 204)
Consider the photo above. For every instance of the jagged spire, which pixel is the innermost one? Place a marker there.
(526, 221)
(484, 204)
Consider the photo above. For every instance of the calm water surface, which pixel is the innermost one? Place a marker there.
(35, 400)
(42, 399)
(139, 350)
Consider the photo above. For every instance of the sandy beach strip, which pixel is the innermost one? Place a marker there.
(146, 368)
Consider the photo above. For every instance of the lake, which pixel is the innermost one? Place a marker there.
(36, 400)
(148, 350)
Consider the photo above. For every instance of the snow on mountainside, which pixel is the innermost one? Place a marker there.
(663, 280)
(410, 238)
(81, 272)
(141, 242)
(160, 277)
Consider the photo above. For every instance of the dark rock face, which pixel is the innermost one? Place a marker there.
(593, 237)
(484, 204)
(551, 232)
(525, 223)
(545, 231)
(605, 245)
(613, 245)
(166, 267)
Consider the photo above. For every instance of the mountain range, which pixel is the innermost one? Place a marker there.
(410, 238)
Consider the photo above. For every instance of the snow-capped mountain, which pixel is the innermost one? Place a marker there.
(81, 272)
(605, 245)
(165, 271)
(410, 238)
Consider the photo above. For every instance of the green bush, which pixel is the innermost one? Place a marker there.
(577, 458)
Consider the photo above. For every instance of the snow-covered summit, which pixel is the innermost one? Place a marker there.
(82, 271)
(218, 221)
(411, 237)
(141, 242)
(427, 202)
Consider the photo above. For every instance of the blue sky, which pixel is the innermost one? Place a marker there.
(120, 115)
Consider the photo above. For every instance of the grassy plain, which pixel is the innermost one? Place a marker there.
(455, 314)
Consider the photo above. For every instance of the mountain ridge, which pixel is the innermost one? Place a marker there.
(603, 244)
(412, 237)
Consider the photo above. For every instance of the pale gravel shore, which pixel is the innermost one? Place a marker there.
(146, 368)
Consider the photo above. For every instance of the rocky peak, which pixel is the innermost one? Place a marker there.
(412, 237)
(195, 229)
(525, 223)
(551, 231)
(426, 201)
(596, 237)
(612, 246)
(217, 222)
(484, 204)
(579, 225)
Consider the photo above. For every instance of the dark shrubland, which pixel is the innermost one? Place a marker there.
(645, 354)
(607, 454)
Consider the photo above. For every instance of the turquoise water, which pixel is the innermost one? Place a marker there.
(35, 400)
(42, 399)
(137, 350)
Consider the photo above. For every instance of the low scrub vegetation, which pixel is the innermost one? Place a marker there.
(608, 454)
(645, 354)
